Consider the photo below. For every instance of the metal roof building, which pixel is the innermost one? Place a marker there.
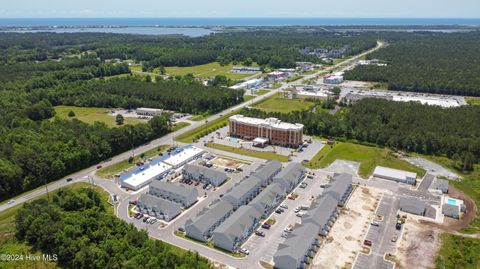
(238, 227)
(244, 192)
(158, 207)
(412, 205)
(173, 192)
(142, 176)
(182, 156)
(201, 226)
(298, 248)
(395, 175)
(340, 187)
(204, 174)
(269, 199)
(440, 184)
(290, 176)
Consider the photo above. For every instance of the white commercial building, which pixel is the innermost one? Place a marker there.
(183, 155)
(142, 176)
(334, 78)
(395, 175)
(149, 111)
(252, 83)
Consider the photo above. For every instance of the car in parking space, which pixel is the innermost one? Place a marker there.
(367, 243)
(300, 214)
(181, 229)
(266, 226)
(394, 238)
(197, 183)
(284, 206)
(260, 233)
(146, 219)
(204, 186)
(244, 251)
(278, 211)
(290, 197)
(139, 216)
(398, 225)
(375, 223)
(310, 176)
(323, 186)
(153, 220)
(208, 187)
(297, 209)
(284, 235)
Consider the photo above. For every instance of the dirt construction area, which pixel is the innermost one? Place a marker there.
(344, 241)
(417, 246)
(227, 162)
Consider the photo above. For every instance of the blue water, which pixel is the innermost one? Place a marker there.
(235, 21)
(451, 202)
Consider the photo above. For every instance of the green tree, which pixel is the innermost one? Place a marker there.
(119, 119)
(71, 113)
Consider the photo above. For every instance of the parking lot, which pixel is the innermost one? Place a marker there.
(381, 236)
(265, 247)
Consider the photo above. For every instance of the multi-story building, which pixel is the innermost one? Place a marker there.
(276, 131)
(204, 174)
(340, 187)
(158, 207)
(267, 171)
(269, 199)
(290, 176)
(244, 192)
(176, 193)
(202, 226)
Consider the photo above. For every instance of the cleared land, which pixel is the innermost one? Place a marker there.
(110, 171)
(91, 114)
(368, 157)
(206, 70)
(249, 152)
(276, 103)
(9, 244)
(474, 101)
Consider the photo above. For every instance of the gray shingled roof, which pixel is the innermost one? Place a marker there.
(268, 169)
(451, 210)
(209, 217)
(412, 205)
(290, 173)
(339, 185)
(173, 188)
(198, 170)
(244, 187)
(298, 242)
(267, 196)
(440, 184)
(165, 206)
(235, 225)
(321, 211)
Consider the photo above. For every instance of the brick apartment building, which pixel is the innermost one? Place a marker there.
(270, 130)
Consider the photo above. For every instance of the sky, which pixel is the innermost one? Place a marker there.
(240, 8)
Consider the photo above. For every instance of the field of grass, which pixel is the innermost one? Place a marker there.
(206, 70)
(199, 117)
(215, 124)
(249, 152)
(91, 114)
(262, 92)
(295, 78)
(276, 103)
(458, 252)
(109, 171)
(179, 125)
(474, 101)
(247, 98)
(368, 157)
(10, 245)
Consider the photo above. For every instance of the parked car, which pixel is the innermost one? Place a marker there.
(221, 195)
(394, 238)
(284, 206)
(284, 235)
(266, 226)
(99, 166)
(300, 215)
(139, 216)
(181, 229)
(375, 223)
(367, 243)
(239, 169)
(69, 179)
(208, 187)
(297, 209)
(136, 215)
(291, 197)
(145, 219)
(260, 233)
(152, 221)
(278, 211)
(197, 183)
(244, 251)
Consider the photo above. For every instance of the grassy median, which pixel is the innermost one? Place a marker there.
(249, 152)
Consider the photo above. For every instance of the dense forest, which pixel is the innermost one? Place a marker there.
(426, 62)
(77, 227)
(275, 48)
(411, 126)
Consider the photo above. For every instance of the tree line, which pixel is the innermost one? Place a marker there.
(408, 126)
(426, 62)
(76, 227)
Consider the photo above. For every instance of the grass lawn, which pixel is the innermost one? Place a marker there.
(208, 244)
(215, 124)
(276, 103)
(199, 117)
(247, 98)
(206, 70)
(458, 252)
(262, 92)
(91, 114)
(10, 245)
(474, 101)
(179, 125)
(249, 152)
(295, 78)
(109, 171)
(368, 157)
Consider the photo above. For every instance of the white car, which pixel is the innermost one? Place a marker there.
(11, 202)
(375, 223)
(244, 251)
(284, 206)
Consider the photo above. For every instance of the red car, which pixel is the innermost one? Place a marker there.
(291, 197)
(367, 243)
(99, 166)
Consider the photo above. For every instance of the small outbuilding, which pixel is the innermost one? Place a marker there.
(395, 175)
(413, 206)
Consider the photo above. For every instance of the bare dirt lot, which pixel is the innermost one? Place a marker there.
(227, 162)
(417, 246)
(344, 240)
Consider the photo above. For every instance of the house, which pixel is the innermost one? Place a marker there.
(269, 199)
(298, 248)
(340, 187)
(244, 192)
(231, 234)
(452, 211)
(204, 174)
(440, 185)
(267, 171)
(412, 205)
(290, 176)
(395, 175)
(158, 207)
(323, 213)
(202, 226)
(179, 194)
